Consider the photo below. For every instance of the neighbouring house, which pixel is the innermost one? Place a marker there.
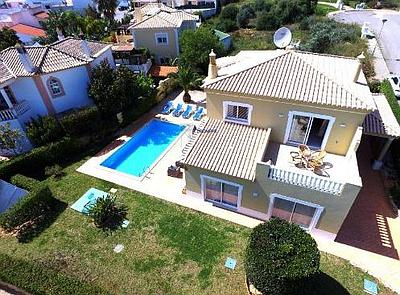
(261, 105)
(157, 27)
(28, 34)
(137, 60)
(40, 80)
(178, 3)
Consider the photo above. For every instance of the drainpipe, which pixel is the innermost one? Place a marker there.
(378, 163)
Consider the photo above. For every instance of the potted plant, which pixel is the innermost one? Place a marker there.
(281, 258)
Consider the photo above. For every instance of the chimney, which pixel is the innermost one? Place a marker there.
(86, 50)
(60, 34)
(212, 66)
(360, 59)
(138, 15)
(25, 59)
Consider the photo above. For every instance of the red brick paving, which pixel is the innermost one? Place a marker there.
(365, 226)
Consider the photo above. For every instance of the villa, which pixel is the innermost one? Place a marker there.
(261, 107)
(157, 27)
(41, 80)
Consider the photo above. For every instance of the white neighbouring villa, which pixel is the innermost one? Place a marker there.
(41, 80)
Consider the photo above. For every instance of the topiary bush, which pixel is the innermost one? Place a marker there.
(107, 214)
(24, 182)
(281, 258)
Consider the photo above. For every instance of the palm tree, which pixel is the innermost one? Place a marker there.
(107, 8)
(188, 80)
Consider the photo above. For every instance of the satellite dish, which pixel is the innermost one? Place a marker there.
(282, 37)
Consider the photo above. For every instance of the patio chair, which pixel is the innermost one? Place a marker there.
(178, 111)
(188, 112)
(168, 108)
(199, 114)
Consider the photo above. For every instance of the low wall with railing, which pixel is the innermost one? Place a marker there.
(13, 113)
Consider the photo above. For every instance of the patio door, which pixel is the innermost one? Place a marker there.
(310, 129)
(295, 211)
(221, 192)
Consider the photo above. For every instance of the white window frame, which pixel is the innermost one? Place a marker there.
(238, 104)
(315, 218)
(311, 115)
(203, 191)
(161, 35)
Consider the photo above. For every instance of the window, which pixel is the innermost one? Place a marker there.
(237, 112)
(162, 38)
(221, 192)
(55, 87)
(295, 211)
(10, 95)
(310, 129)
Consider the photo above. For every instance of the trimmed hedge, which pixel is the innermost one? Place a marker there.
(38, 158)
(281, 258)
(387, 90)
(38, 279)
(81, 122)
(28, 208)
(44, 130)
(24, 182)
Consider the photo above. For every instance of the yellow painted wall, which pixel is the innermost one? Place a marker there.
(266, 112)
(146, 38)
(335, 207)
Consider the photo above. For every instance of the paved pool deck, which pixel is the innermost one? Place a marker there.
(158, 184)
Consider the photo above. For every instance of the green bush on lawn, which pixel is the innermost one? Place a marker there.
(81, 122)
(24, 182)
(281, 258)
(42, 280)
(33, 205)
(387, 90)
(38, 158)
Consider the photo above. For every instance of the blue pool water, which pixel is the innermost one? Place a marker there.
(140, 152)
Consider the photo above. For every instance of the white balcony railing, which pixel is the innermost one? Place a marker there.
(313, 182)
(17, 110)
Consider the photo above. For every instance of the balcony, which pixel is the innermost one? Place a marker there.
(13, 113)
(277, 164)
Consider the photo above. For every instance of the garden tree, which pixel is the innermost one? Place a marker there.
(246, 12)
(91, 12)
(107, 213)
(195, 47)
(226, 25)
(10, 139)
(229, 12)
(144, 86)
(107, 8)
(8, 38)
(267, 21)
(281, 258)
(72, 24)
(123, 87)
(188, 80)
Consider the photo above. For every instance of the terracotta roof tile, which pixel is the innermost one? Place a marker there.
(28, 30)
(162, 71)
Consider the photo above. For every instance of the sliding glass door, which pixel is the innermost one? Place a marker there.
(294, 211)
(221, 192)
(308, 129)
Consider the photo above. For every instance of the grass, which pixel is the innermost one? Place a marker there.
(168, 250)
(323, 9)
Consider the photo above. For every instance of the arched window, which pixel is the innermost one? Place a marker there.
(55, 87)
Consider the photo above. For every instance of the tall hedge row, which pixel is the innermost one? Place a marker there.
(38, 158)
(34, 204)
(42, 280)
(387, 90)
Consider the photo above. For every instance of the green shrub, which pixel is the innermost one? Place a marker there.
(374, 85)
(38, 158)
(281, 258)
(229, 12)
(44, 130)
(56, 171)
(107, 214)
(226, 25)
(262, 5)
(267, 21)
(38, 279)
(81, 122)
(34, 204)
(246, 12)
(24, 182)
(387, 90)
(307, 22)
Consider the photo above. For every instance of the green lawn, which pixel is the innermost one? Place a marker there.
(168, 250)
(322, 9)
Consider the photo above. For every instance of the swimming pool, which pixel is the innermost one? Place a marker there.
(139, 154)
